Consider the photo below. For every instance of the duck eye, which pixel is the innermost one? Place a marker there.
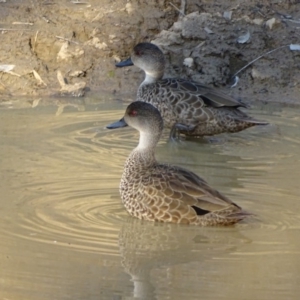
(133, 113)
(138, 52)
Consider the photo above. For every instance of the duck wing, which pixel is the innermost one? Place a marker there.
(174, 190)
(208, 96)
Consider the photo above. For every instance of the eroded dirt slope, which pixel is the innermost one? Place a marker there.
(63, 46)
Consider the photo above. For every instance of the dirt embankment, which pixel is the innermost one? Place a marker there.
(52, 47)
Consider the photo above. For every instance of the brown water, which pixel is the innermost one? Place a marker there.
(64, 233)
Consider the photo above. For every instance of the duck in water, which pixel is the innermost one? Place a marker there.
(160, 192)
(186, 107)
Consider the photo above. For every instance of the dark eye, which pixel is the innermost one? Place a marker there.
(133, 113)
(138, 52)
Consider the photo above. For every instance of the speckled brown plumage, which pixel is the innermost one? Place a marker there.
(160, 192)
(194, 109)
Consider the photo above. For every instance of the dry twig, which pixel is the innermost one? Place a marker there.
(22, 23)
(35, 39)
(179, 10)
(257, 58)
(62, 38)
(38, 78)
(10, 29)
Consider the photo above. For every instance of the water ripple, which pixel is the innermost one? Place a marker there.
(86, 219)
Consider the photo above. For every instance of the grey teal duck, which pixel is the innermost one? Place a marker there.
(187, 107)
(160, 192)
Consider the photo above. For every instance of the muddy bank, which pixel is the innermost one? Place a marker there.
(71, 47)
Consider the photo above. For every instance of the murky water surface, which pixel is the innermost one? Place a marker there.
(64, 233)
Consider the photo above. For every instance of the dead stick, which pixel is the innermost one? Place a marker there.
(177, 8)
(62, 38)
(9, 29)
(35, 39)
(257, 58)
(182, 7)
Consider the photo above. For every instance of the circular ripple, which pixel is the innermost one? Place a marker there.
(93, 139)
(86, 219)
(71, 195)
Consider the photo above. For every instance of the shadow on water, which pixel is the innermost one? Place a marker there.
(65, 234)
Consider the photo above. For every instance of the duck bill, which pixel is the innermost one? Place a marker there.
(125, 63)
(118, 124)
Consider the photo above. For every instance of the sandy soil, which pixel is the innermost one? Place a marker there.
(71, 48)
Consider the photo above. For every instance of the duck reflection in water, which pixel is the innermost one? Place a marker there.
(152, 252)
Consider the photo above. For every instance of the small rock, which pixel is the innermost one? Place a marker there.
(208, 31)
(227, 15)
(129, 8)
(188, 62)
(270, 23)
(96, 43)
(116, 58)
(66, 53)
(177, 26)
(258, 21)
(76, 73)
(166, 38)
